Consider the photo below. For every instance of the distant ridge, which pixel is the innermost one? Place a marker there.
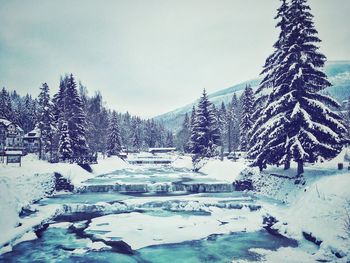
(338, 73)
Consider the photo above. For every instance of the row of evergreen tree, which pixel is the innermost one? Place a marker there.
(74, 124)
(291, 119)
(18, 109)
(210, 131)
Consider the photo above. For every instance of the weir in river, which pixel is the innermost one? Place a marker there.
(147, 214)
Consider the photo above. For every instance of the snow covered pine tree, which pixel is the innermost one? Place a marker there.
(76, 118)
(247, 102)
(65, 151)
(45, 121)
(297, 122)
(183, 136)
(205, 134)
(233, 117)
(114, 141)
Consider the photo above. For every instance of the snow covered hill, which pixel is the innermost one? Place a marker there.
(337, 71)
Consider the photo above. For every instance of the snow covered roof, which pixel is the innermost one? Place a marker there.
(32, 134)
(7, 123)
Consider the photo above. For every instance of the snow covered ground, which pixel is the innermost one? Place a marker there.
(224, 171)
(21, 186)
(316, 206)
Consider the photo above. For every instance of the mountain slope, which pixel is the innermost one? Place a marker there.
(338, 73)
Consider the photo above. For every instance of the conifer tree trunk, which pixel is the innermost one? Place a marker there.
(286, 165)
(300, 167)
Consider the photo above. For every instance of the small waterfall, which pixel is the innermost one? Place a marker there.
(208, 187)
(121, 188)
(158, 188)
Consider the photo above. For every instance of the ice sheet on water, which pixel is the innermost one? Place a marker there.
(142, 230)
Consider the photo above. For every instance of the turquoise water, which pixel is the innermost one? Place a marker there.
(84, 198)
(57, 245)
(65, 245)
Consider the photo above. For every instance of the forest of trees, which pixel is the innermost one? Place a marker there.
(210, 131)
(74, 124)
(289, 118)
(296, 122)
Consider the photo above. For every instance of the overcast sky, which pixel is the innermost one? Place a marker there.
(149, 56)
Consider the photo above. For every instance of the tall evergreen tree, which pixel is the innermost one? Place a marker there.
(126, 132)
(222, 122)
(247, 111)
(114, 140)
(183, 136)
(233, 116)
(45, 120)
(29, 114)
(5, 105)
(59, 110)
(16, 108)
(169, 139)
(65, 143)
(205, 136)
(97, 120)
(136, 138)
(76, 118)
(298, 122)
(150, 134)
(273, 61)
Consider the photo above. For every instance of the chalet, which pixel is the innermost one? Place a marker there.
(11, 136)
(31, 141)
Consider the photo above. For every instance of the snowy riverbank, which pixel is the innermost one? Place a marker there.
(34, 180)
(315, 207)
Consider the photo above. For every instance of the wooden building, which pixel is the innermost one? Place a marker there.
(11, 136)
(31, 141)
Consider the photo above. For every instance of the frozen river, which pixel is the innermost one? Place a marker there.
(151, 215)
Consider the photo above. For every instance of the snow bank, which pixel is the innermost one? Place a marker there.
(184, 161)
(320, 211)
(214, 169)
(109, 165)
(227, 171)
(284, 254)
(31, 165)
(316, 206)
(21, 186)
(18, 191)
(22, 231)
